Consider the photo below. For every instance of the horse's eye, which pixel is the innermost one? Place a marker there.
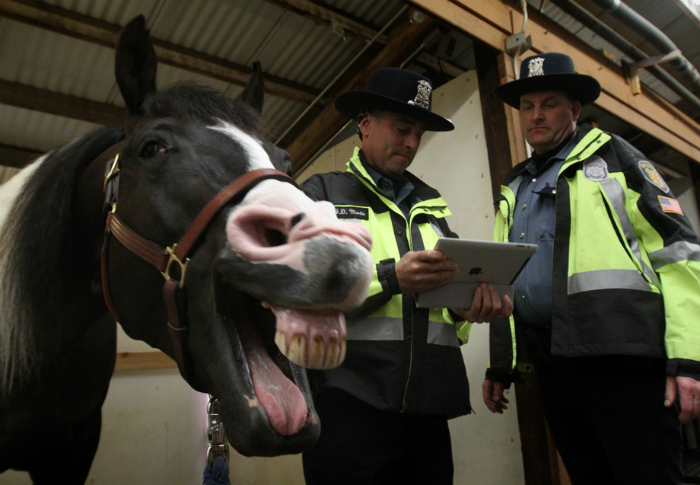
(151, 149)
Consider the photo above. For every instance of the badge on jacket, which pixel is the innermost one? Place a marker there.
(595, 169)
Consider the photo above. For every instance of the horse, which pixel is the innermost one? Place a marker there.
(185, 227)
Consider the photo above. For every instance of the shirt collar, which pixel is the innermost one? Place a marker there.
(396, 188)
(382, 180)
(539, 162)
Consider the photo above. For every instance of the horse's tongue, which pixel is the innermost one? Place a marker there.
(311, 338)
(282, 401)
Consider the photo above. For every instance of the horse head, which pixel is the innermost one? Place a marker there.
(259, 285)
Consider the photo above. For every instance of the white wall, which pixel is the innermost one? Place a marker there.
(486, 447)
(154, 427)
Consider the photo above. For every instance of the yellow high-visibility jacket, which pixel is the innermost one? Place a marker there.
(626, 261)
(399, 357)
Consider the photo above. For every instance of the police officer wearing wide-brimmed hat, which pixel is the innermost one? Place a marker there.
(396, 90)
(550, 72)
(607, 309)
(384, 411)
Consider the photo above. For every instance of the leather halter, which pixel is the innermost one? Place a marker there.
(171, 261)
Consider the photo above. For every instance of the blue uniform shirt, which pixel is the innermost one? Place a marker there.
(533, 223)
(397, 189)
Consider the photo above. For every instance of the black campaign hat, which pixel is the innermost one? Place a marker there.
(549, 72)
(396, 90)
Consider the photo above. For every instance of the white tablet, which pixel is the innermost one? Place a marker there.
(495, 263)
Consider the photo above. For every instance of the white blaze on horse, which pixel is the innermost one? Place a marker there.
(196, 241)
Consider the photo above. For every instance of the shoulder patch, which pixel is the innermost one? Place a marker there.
(652, 175)
(670, 205)
(350, 212)
(595, 169)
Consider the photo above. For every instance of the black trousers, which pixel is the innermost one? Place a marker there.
(608, 420)
(362, 445)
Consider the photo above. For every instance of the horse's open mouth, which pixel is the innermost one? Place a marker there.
(273, 383)
(280, 385)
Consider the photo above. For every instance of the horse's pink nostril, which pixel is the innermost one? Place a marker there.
(274, 238)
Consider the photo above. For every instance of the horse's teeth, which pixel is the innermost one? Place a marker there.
(317, 352)
(281, 342)
(335, 354)
(297, 350)
(319, 355)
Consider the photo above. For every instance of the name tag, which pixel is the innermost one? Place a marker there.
(347, 212)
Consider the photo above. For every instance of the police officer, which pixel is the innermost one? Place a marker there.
(384, 412)
(608, 309)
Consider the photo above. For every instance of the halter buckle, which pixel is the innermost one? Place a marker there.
(111, 184)
(173, 258)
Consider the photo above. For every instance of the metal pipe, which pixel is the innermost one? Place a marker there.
(627, 48)
(651, 33)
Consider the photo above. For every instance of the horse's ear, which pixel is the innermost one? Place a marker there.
(254, 91)
(135, 64)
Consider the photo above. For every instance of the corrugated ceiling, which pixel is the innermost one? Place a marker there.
(291, 46)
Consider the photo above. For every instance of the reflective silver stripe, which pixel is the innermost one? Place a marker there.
(380, 328)
(616, 194)
(386, 328)
(440, 333)
(676, 252)
(607, 279)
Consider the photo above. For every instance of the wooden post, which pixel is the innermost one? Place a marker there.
(506, 147)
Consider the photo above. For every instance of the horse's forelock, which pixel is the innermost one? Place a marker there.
(191, 101)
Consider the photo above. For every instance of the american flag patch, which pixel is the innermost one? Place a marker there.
(670, 205)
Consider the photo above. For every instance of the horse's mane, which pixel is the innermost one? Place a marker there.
(38, 258)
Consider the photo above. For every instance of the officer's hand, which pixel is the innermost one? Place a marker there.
(493, 396)
(486, 305)
(418, 271)
(688, 391)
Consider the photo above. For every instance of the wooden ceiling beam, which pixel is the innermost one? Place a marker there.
(17, 157)
(59, 104)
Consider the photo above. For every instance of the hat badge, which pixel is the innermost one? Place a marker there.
(535, 67)
(423, 96)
